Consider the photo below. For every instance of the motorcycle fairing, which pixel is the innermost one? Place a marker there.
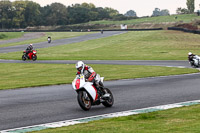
(30, 55)
(91, 90)
(196, 60)
(80, 83)
(77, 84)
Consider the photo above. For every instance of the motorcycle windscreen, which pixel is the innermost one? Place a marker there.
(34, 52)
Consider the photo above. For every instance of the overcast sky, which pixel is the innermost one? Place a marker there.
(141, 7)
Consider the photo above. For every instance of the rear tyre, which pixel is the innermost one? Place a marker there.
(23, 57)
(34, 57)
(110, 100)
(84, 100)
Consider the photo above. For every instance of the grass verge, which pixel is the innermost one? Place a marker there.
(177, 120)
(54, 36)
(136, 45)
(19, 75)
(160, 19)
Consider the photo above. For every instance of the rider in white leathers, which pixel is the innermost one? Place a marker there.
(191, 58)
(89, 73)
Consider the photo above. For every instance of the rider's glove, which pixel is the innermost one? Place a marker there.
(92, 76)
(78, 73)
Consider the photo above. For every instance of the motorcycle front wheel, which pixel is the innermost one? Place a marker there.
(84, 100)
(110, 100)
(34, 57)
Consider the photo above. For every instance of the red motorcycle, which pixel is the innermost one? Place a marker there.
(32, 55)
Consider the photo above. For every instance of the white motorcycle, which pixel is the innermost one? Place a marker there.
(88, 94)
(196, 61)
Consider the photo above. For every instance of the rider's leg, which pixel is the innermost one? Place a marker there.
(101, 90)
(27, 51)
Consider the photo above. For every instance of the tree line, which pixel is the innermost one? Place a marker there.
(20, 14)
(190, 8)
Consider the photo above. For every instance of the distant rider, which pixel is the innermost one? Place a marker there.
(190, 58)
(101, 31)
(49, 39)
(29, 49)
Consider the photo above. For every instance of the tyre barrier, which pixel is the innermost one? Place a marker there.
(79, 30)
(184, 30)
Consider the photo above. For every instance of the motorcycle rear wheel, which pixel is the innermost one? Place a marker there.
(23, 57)
(84, 100)
(109, 102)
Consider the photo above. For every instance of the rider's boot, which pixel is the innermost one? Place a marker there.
(100, 87)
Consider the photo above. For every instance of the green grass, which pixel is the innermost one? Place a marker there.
(178, 120)
(21, 75)
(54, 36)
(184, 18)
(10, 35)
(135, 45)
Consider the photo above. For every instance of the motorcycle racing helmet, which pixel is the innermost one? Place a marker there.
(190, 53)
(80, 66)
